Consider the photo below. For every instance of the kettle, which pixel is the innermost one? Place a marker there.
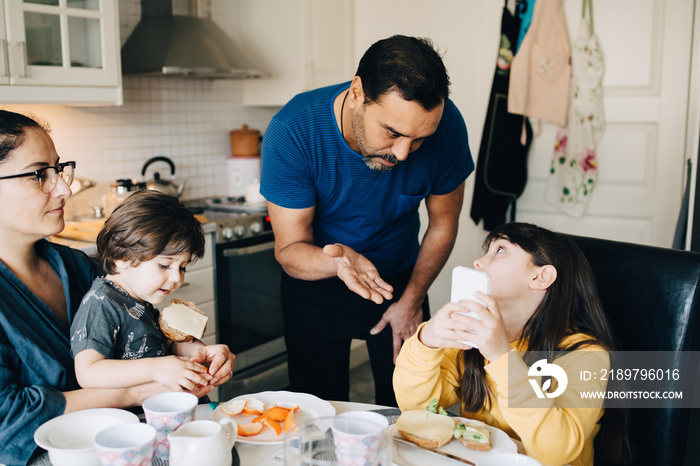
(164, 186)
(119, 191)
(206, 443)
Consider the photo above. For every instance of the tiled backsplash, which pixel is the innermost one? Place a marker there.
(185, 120)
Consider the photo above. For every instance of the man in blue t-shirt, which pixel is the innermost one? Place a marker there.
(344, 169)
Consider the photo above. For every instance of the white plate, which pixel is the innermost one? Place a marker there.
(77, 430)
(309, 407)
(413, 455)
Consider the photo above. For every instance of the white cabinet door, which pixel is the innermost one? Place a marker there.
(4, 51)
(62, 51)
(302, 44)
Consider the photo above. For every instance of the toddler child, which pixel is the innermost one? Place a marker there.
(144, 248)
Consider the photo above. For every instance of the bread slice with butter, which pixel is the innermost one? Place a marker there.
(474, 435)
(182, 321)
(425, 429)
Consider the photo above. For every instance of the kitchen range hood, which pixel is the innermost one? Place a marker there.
(192, 46)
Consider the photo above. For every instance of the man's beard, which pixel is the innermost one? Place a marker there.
(380, 167)
(369, 158)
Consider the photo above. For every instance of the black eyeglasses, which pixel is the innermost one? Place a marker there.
(48, 176)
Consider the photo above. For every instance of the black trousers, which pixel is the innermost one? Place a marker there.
(320, 320)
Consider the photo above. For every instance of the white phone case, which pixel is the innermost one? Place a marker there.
(465, 282)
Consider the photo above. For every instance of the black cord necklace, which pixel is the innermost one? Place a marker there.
(342, 107)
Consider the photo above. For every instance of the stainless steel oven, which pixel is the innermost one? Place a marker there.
(249, 314)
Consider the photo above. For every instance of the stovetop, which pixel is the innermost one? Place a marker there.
(234, 218)
(224, 204)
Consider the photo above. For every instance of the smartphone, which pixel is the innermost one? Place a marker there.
(465, 282)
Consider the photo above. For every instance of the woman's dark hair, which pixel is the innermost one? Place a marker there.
(409, 65)
(570, 305)
(12, 126)
(145, 225)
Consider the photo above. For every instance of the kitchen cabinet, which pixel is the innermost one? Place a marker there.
(302, 44)
(60, 52)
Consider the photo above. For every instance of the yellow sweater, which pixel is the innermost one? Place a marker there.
(556, 432)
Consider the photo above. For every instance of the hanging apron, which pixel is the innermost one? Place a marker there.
(501, 171)
(541, 74)
(524, 12)
(574, 165)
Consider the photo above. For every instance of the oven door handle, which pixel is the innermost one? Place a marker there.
(234, 252)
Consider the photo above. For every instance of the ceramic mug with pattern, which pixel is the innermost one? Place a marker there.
(166, 412)
(126, 445)
(360, 439)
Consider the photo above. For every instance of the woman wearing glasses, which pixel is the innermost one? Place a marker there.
(41, 285)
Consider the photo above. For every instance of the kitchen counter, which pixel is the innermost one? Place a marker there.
(89, 247)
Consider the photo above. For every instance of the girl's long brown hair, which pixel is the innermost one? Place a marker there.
(571, 305)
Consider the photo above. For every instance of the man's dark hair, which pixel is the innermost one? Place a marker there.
(409, 65)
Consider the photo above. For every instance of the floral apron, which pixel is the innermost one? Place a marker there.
(574, 166)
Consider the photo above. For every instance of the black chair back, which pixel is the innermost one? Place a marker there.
(652, 298)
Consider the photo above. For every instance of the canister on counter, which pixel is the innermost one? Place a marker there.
(245, 142)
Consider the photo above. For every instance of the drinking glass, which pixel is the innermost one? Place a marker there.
(338, 440)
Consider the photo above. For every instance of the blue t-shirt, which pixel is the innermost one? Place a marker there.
(306, 162)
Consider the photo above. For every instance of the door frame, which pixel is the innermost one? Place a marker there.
(692, 146)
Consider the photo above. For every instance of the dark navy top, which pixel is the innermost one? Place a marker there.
(35, 359)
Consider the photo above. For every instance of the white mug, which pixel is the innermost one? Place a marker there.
(126, 445)
(166, 412)
(360, 439)
(367, 415)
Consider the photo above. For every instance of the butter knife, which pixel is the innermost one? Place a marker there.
(437, 452)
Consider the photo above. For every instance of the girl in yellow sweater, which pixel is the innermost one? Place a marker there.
(544, 299)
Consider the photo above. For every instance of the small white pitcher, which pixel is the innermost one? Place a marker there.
(204, 443)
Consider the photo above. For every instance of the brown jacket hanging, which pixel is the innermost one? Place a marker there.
(540, 75)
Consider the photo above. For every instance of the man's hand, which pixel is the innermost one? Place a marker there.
(358, 273)
(404, 321)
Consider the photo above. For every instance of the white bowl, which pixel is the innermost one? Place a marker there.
(69, 438)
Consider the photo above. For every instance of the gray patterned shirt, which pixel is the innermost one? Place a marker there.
(116, 325)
